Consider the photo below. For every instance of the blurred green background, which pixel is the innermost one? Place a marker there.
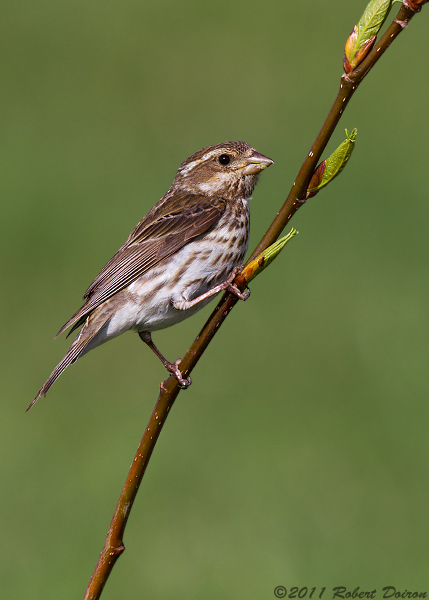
(299, 455)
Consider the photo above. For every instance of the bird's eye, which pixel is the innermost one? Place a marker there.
(224, 159)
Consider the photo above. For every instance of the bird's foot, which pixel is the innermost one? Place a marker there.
(173, 368)
(231, 287)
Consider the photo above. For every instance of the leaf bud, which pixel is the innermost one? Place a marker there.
(261, 262)
(364, 34)
(331, 167)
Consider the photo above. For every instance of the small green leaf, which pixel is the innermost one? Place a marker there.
(272, 251)
(332, 166)
(372, 19)
(261, 262)
(363, 36)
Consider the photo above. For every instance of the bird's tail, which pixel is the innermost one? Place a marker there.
(76, 350)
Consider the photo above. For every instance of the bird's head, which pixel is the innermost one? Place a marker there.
(229, 170)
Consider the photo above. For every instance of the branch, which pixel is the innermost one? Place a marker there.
(364, 54)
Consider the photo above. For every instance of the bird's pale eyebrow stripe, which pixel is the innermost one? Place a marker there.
(187, 168)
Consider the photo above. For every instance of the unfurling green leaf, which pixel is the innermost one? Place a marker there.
(261, 262)
(372, 19)
(332, 166)
(363, 36)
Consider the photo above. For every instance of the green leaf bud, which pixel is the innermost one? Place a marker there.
(261, 262)
(331, 167)
(364, 34)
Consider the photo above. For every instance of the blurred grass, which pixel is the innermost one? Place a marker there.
(299, 455)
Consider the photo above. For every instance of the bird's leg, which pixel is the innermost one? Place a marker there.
(226, 285)
(171, 367)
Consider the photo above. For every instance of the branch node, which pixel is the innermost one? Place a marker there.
(410, 4)
(346, 78)
(401, 24)
(117, 550)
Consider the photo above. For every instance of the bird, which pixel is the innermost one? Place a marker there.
(188, 248)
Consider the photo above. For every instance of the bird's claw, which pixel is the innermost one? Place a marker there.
(232, 287)
(173, 368)
(240, 295)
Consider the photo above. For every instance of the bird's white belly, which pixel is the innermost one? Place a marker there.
(155, 293)
(147, 303)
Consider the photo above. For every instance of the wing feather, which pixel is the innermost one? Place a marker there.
(172, 223)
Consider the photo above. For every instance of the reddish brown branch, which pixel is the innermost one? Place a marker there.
(169, 389)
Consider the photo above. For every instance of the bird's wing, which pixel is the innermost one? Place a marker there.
(171, 224)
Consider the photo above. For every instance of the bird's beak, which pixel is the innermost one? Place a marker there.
(256, 163)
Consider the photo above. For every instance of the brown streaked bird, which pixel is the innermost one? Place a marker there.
(187, 249)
